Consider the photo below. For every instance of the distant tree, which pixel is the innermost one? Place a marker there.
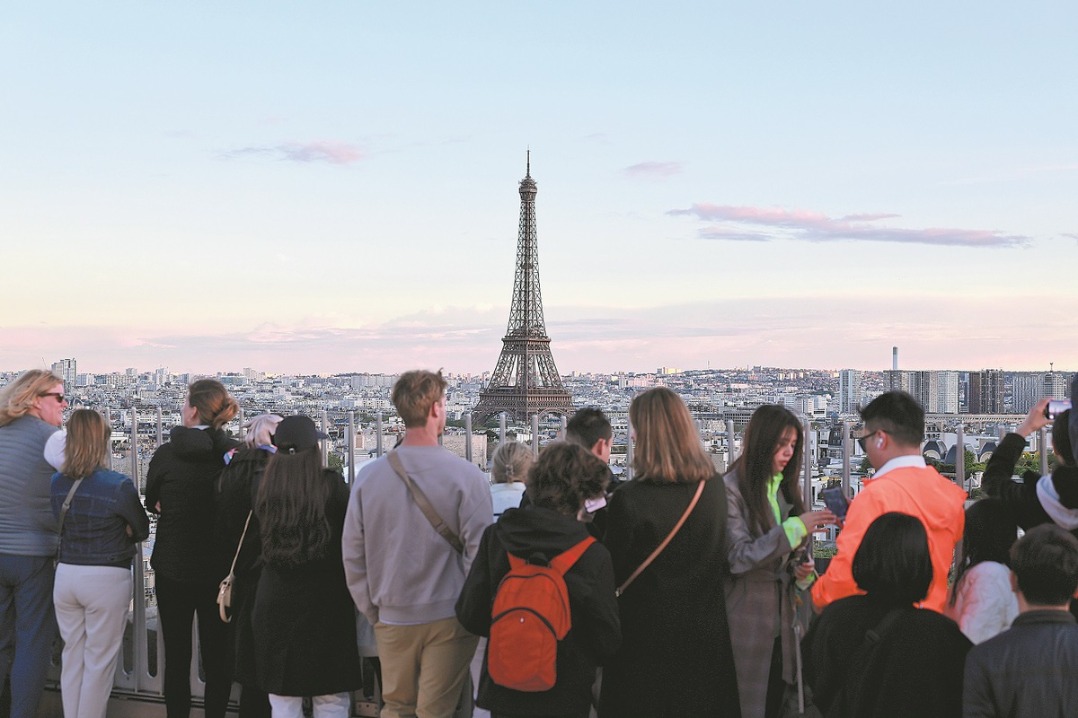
(336, 463)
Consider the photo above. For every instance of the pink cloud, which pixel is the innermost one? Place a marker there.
(654, 170)
(335, 153)
(739, 223)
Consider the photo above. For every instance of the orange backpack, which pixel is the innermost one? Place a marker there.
(529, 617)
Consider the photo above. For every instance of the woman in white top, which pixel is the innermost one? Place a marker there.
(982, 601)
(508, 469)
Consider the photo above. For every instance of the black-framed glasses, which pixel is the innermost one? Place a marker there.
(58, 395)
(865, 437)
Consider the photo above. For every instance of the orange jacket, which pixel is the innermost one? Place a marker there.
(923, 493)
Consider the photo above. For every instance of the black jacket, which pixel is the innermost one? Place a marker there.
(182, 478)
(1021, 498)
(237, 489)
(595, 631)
(1025, 671)
(915, 669)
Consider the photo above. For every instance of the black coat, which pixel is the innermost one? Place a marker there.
(1021, 498)
(595, 631)
(304, 619)
(915, 669)
(182, 477)
(675, 658)
(236, 492)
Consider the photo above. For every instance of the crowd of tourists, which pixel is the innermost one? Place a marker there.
(680, 593)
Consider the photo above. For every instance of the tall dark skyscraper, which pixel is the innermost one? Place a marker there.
(525, 380)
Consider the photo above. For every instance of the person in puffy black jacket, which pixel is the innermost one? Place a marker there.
(187, 565)
(564, 476)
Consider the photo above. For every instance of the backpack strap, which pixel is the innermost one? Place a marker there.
(563, 561)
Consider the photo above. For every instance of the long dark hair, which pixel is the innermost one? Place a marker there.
(762, 435)
(291, 508)
(989, 534)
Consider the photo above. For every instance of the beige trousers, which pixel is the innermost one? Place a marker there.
(423, 667)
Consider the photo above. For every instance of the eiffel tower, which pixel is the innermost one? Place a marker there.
(525, 381)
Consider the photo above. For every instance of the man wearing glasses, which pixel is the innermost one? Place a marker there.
(894, 427)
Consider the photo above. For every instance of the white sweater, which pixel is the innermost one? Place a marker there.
(986, 604)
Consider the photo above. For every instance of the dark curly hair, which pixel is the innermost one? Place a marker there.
(564, 476)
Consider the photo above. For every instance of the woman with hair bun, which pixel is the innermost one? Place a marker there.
(508, 469)
(103, 522)
(187, 566)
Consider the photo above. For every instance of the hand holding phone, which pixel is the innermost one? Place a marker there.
(836, 501)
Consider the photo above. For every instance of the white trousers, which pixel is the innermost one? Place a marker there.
(331, 705)
(91, 610)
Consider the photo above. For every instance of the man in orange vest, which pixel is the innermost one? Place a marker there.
(894, 427)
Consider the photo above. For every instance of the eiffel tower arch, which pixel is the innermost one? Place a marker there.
(525, 380)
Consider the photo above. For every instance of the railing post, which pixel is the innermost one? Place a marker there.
(847, 458)
(563, 430)
(1042, 449)
(535, 434)
(501, 428)
(960, 455)
(351, 447)
(468, 437)
(806, 488)
(243, 428)
(134, 448)
(629, 451)
(108, 422)
(325, 442)
(378, 431)
(730, 456)
(160, 427)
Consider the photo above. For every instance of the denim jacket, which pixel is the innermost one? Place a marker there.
(94, 532)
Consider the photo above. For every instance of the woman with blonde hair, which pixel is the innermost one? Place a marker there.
(187, 564)
(666, 534)
(101, 521)
(508, 469)
(31, 410)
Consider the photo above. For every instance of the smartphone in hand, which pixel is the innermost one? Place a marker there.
(836, 501)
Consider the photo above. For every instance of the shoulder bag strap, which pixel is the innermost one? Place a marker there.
(232, 570)
(63, 514)
(673, 532)
(424, 504)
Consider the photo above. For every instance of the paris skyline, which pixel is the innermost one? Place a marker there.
(331, 190)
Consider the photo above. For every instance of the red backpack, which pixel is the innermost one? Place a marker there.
(530, 615)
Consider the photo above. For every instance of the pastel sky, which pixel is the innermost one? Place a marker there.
(332, 186)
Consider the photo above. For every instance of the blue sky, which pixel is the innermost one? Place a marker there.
(332, 187)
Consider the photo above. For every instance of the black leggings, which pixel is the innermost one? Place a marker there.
(177, 603)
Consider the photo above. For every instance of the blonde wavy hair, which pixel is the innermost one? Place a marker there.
(17, 398)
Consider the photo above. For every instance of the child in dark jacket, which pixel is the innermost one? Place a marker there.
(563, 478)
